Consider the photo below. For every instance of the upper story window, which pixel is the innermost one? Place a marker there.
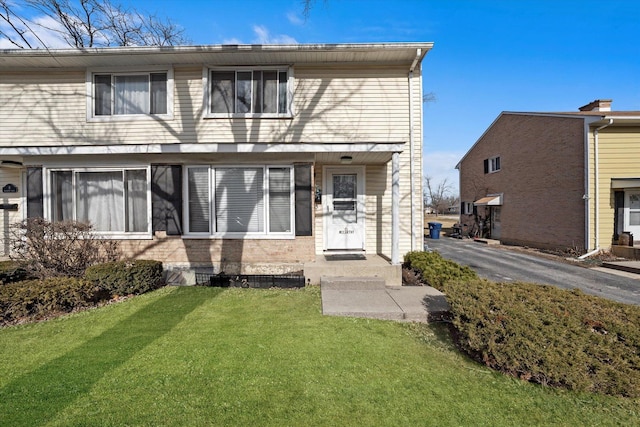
(466, 208)
(492, 165)
(246, 92)
(130, 94)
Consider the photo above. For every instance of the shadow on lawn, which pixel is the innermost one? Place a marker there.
(37, 397)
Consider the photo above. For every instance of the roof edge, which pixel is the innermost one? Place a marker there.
(129, 50)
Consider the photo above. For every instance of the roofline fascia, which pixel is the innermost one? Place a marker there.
(586, 118)
(620, 118)
(129, 50)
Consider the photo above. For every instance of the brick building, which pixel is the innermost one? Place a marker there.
(565, 180)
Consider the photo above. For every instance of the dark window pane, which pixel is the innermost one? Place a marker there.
(136, 200)
(270, 98)
(344, 206)
(222, 91)
(282, 93)
(280, 200)
(257, 91)
(102, 95)
(62, 196)
(158, 93)
(344, 186)
(243, 104)
(198, 199)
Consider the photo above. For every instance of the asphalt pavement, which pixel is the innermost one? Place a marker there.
(504, 264)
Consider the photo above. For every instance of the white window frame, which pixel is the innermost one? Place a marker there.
(214, 234)
(90, 93)
(123, 235)
(467, 208)
(495, 164)
(206, 107)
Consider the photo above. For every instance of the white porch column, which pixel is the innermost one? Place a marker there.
(395, 208)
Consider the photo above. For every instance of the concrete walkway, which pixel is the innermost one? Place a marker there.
(369, 297)
(628, 266)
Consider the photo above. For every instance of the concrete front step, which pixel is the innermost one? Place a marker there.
(369, 266)
(345, 283)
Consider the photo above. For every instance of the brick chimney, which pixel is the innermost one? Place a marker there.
(597, 105)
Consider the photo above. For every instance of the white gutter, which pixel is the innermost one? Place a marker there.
(596, 192)
(411, 149)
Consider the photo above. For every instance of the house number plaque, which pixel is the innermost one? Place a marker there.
(9, 188)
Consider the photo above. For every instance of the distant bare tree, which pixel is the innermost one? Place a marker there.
(87, 23)
(437, 196)
(429, 97)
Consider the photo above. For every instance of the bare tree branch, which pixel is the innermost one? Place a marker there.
(91, 23)
(429, 97)
(437, 196)
(7, 15)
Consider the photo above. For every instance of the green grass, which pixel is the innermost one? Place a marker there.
(205, 356)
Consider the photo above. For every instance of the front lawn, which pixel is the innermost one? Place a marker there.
(206, 356)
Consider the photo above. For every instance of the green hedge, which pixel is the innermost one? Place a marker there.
(550, 336)
(11, 272)
(435, 270)
(33, 299)
(126, 277)
(540, 333)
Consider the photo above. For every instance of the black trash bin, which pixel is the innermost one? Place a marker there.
(434, 230)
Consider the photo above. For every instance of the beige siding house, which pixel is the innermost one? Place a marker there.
(236, 158)
(568, 180)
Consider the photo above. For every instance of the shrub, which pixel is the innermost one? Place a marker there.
(549, 336)
(64, 248)
(436, 271)
(126, 277)
(540, 333)
(11, 272)
(35, 299)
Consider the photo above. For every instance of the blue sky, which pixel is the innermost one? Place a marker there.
(489, 56)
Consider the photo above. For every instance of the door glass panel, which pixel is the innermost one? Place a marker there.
(344, 186)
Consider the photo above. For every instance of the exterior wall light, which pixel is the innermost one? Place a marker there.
(346, 160)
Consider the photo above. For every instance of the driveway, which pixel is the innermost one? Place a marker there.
(501, 264)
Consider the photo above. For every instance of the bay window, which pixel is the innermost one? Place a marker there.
(255, 200)
(111, 200)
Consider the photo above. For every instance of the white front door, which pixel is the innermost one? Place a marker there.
(344, 208)
(632, 213)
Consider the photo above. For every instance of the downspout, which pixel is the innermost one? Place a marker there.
(411, 149)
(596, 192)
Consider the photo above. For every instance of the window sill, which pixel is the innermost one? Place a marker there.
(122, 236)
(248, 116)
(130, 118)
(240, 236)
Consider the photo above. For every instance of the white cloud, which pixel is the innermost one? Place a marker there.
(294, 19)
(40, 31)
(262, 36)
(232, 41)
(49, 31)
